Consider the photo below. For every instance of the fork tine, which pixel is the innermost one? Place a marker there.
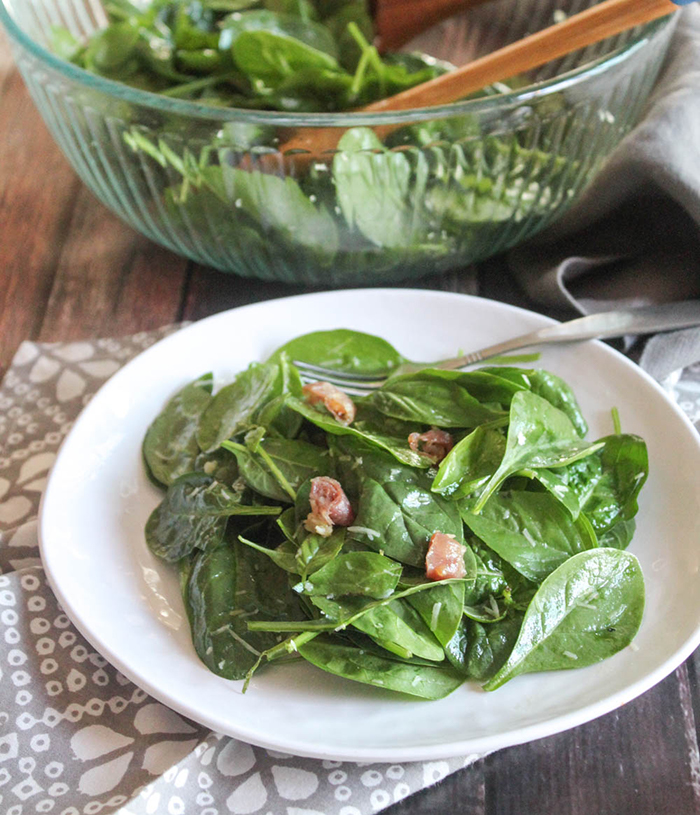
(354, 384)
(350, 388)
(347, 389)
(346, 376)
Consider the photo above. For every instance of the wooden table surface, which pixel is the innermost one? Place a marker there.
(69, 269)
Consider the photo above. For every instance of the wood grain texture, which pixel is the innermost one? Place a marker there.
(70, 269)
(398, 21)
(35, 215)
(106, 274)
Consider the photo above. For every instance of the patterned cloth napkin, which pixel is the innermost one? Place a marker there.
(77, 737)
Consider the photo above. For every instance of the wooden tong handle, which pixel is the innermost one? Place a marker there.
(590, 26)
(596, 23)
(398, 21)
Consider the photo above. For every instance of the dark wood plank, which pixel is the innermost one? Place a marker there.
(210, 292)
(110, 280)
(634, 760)
(463, 793)
(37, 189)
(71, 269)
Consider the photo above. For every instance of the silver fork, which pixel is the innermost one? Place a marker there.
(604, 325)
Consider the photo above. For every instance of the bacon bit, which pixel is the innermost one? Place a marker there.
(339, 404)
(445, 557)
(329, 507)
(435, 444)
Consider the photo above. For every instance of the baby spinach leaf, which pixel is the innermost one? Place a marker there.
(484, 385)
(316, 551)
(552, 388)
(548, 386)
(532, 531)
(286, 28)
(492, 576)
(585, 611)
(343, 350)
(64, 44)
(295, 460)
(305, 558)
(275, 415)
(372, 186)
(272, 58)
(441, 610)
(371, 669)
(235, 407)
(397, 447)
(227, 586)
(220, 465)
(282, 555)
(395, 625)
(488, 611)
(112, 51)
(619, 536)
(193, 514)
(352, 637)
(433, 400)
(364, 573)
(404, 515)
(490, 645)
(556, 483)
(456, 648)
(470, 463)
(276, 205)
(539, 435)
(170, 446)
(354, 459)
(625, 466)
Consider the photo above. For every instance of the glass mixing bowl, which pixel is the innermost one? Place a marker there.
(413, 193)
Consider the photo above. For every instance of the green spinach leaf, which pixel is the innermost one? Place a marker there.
(532, 531)
(227, 586)
(399, 517)
(539, 435)
(585, 611)
(235, 407)
(364, 573)
(354, 663)
(170, 446)
(343, 350)
(193, 514)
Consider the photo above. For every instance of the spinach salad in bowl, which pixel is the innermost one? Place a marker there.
(390, 202)
(449, 526)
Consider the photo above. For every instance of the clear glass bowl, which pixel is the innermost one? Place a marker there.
(450, 185)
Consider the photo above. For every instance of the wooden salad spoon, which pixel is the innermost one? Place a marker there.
(398, 21)
(597, 23)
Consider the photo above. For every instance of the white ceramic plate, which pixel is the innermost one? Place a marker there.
(128, 604)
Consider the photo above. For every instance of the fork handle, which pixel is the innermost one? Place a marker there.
(603, 325)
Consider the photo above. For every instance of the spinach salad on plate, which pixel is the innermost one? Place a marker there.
(450, 526)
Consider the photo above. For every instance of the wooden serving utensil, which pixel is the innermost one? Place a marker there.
(398, 21)
(597, 23)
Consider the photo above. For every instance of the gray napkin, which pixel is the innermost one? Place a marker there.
(634, 237)
(77, 737)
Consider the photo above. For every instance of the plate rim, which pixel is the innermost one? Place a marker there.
(428, 752)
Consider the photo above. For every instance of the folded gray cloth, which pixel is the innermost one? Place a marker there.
(634, 237)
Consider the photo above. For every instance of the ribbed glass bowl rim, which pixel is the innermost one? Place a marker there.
(489, 104)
